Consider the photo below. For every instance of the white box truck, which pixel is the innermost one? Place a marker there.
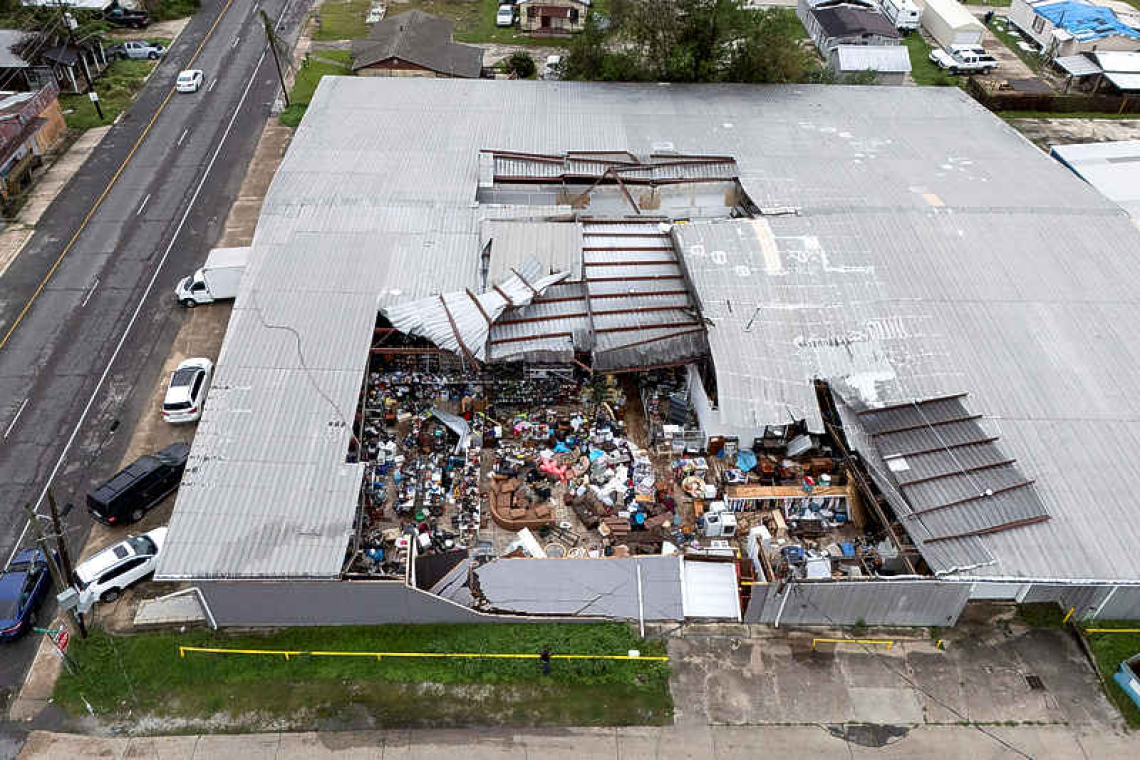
(904, 14)
(217, 280)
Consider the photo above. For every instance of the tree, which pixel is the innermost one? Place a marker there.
(521, 65)
(692, 41)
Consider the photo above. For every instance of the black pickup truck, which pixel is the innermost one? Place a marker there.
(123, 17)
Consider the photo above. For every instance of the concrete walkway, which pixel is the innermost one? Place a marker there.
(715, 743)
(47, 187)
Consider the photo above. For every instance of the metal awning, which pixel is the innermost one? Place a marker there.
(1077, 66)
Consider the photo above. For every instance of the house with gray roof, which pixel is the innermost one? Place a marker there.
(415, 44)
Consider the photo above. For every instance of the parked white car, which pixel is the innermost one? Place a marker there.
(104, 576)
(505, 16)
(189, 80)
(186, 394)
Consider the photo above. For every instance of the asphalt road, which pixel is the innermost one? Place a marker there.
(71, 385)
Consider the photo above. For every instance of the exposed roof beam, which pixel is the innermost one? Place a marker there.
(959, 471)
(908, 404)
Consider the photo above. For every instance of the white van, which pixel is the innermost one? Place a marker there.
(904, 14)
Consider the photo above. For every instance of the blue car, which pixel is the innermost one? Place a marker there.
(23, 587)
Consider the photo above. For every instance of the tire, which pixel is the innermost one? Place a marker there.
(189, 303)
(137, 514)
(110, 595)
(152, 56)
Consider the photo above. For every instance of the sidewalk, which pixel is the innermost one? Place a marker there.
(706, 743)
(47, 187)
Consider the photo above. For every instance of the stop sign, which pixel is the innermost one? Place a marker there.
(62, 641)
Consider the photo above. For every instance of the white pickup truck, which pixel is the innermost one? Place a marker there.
(967, 59)
(138, 49)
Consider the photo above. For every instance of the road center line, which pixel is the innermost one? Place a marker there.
(87, 297)
(154, 278)
(106, 190)
(184, 133)
(12, 424)
(143, 204)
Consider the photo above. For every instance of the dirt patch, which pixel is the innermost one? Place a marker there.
(1046, 132)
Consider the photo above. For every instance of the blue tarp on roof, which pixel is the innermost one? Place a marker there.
(1086, 22)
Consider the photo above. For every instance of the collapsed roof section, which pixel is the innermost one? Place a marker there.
(944, 475)
(618, 298)
(460, 321)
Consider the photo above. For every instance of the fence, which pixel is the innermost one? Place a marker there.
(182, 650)
(1007, 100)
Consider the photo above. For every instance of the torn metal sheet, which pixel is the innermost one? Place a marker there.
(455, 423)
(603, 587)
(460, 321)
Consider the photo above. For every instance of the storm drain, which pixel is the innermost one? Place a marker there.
(1035, 683)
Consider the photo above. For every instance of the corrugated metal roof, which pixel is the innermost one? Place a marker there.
(1077, 65)
(942, 488)
(557, 246)
(1113, 168)
(1124, 62)
(934, 251)
(1123, 82)
(460, 321)
(884, 59)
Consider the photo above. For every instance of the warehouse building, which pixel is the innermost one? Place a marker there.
(893, 279)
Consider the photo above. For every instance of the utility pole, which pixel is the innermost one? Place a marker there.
(64, 556)
(69, 24)
(274, 40)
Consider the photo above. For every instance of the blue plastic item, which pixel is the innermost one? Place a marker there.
(596, 454)
(745, 460)
(561, 448)
(793, 554)
(847, 548)
(639, 518)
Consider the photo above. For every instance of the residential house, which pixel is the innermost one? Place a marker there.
(888, 63)
(30, 124)
(831, 23)
(1069, 27)
(553, 16)
(75, 65)
(415, 44)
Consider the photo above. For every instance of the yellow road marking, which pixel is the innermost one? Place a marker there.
(114, 178)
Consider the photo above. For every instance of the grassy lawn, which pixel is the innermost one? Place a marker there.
(1110, 649)
(921, 67)
(475, 22)
(395, 691)
(342, 20)
(116, 88)
(309, 76)
(1032, 60)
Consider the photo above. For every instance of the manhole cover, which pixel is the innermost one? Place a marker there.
(1035, 683)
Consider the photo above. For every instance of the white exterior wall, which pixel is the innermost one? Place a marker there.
(951, 24)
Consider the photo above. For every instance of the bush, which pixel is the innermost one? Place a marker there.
(521, 65)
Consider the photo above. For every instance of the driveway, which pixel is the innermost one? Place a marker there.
(992, 671)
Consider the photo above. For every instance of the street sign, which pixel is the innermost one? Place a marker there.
(62, 641)
(94, 96)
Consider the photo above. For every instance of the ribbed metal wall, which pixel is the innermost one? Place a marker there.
(908, 603)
